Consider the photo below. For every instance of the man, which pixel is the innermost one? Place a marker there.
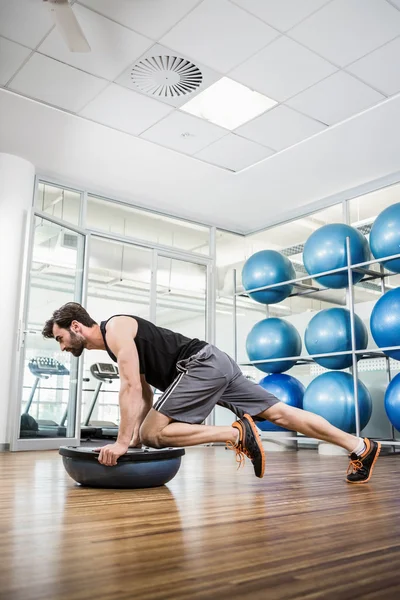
(194, 376)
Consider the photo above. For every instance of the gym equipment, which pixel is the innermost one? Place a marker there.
(331, 395)
(385, 322)
(42, 367)
(265, 268)
(28, 426)
(392, 402)
(138, 468)
(104, 373)
(325, 250)
(273, 338)
(329, 331)
(287, 389)
(384, 238)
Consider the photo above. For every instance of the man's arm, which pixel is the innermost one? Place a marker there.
(120, 339)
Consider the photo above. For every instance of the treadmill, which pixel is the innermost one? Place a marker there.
(42, 367)
(103, 373)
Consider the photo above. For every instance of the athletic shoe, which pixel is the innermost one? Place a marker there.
(361, 467)
(249, 445)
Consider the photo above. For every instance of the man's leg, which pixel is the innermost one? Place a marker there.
(310, 425)
(363, 452)
(159, 431)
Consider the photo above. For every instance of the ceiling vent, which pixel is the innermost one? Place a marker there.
(166, 76)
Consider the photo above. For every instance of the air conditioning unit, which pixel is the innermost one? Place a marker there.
(69, 240)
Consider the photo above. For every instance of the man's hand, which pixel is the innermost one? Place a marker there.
(110, 454)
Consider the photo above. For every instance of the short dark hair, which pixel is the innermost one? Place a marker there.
(63, 317)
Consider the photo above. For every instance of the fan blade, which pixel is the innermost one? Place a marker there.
(67, 24)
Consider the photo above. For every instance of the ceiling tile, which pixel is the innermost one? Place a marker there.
(153, 69)
(183, 132)
(336, 98)
(219, 34)
(343, 30)
(281, 14)
(234, 152)
(381, 68)
(282, 69)
(24, 21)
(280, 128)
(152, 18)
(113, 46)
(12, 56)
(125, 110)
(60, 85)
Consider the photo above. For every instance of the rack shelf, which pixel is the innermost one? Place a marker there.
(303, 289)
(310, 358)
(359, 267)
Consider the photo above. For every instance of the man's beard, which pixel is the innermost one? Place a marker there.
(77, 344)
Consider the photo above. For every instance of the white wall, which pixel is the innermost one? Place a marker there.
(16, 193)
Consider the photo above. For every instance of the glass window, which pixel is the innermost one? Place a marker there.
(59, 202)
(231, 253)
(181, 296)
(50, 376)
(143, 225)
(118, 283)
(364, 209)
(288, 238)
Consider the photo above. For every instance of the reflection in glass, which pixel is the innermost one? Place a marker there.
(144, 225)
(119, 283)
(181, 296)
(58, 202)
(50, 377)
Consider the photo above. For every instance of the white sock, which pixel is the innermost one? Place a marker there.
(360, 448)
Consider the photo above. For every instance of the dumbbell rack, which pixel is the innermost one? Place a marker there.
(302, 290)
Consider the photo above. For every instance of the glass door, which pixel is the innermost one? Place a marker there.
(181, 297)
(49, 380)
(119, 282)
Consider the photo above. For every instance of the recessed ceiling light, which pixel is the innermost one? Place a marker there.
(228, 104)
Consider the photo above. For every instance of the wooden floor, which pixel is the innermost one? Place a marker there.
(213, 532)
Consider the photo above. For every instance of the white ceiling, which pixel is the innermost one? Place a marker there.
(323, 61)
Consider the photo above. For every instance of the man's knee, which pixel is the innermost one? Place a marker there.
(151, 436)
(280, 414)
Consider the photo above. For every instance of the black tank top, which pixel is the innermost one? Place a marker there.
(159, 350)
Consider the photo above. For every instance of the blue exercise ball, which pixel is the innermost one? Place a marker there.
(273, 338)
(330, 331)
(325, 250)
(385, 322)
(287, 389)
(331, 395)
(266, 268)
(384, 237)
(392, 401)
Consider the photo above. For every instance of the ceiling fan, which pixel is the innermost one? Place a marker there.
(68, 25)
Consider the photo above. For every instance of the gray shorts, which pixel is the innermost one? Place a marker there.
(208, 378)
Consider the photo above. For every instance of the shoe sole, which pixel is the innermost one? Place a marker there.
(259, 443)
(371, 469)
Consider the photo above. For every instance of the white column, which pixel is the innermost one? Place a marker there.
(17, 178)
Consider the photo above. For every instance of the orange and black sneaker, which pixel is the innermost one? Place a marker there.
(249, 444)
(361, 467)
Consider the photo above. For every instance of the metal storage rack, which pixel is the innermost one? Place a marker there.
(302, 289)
